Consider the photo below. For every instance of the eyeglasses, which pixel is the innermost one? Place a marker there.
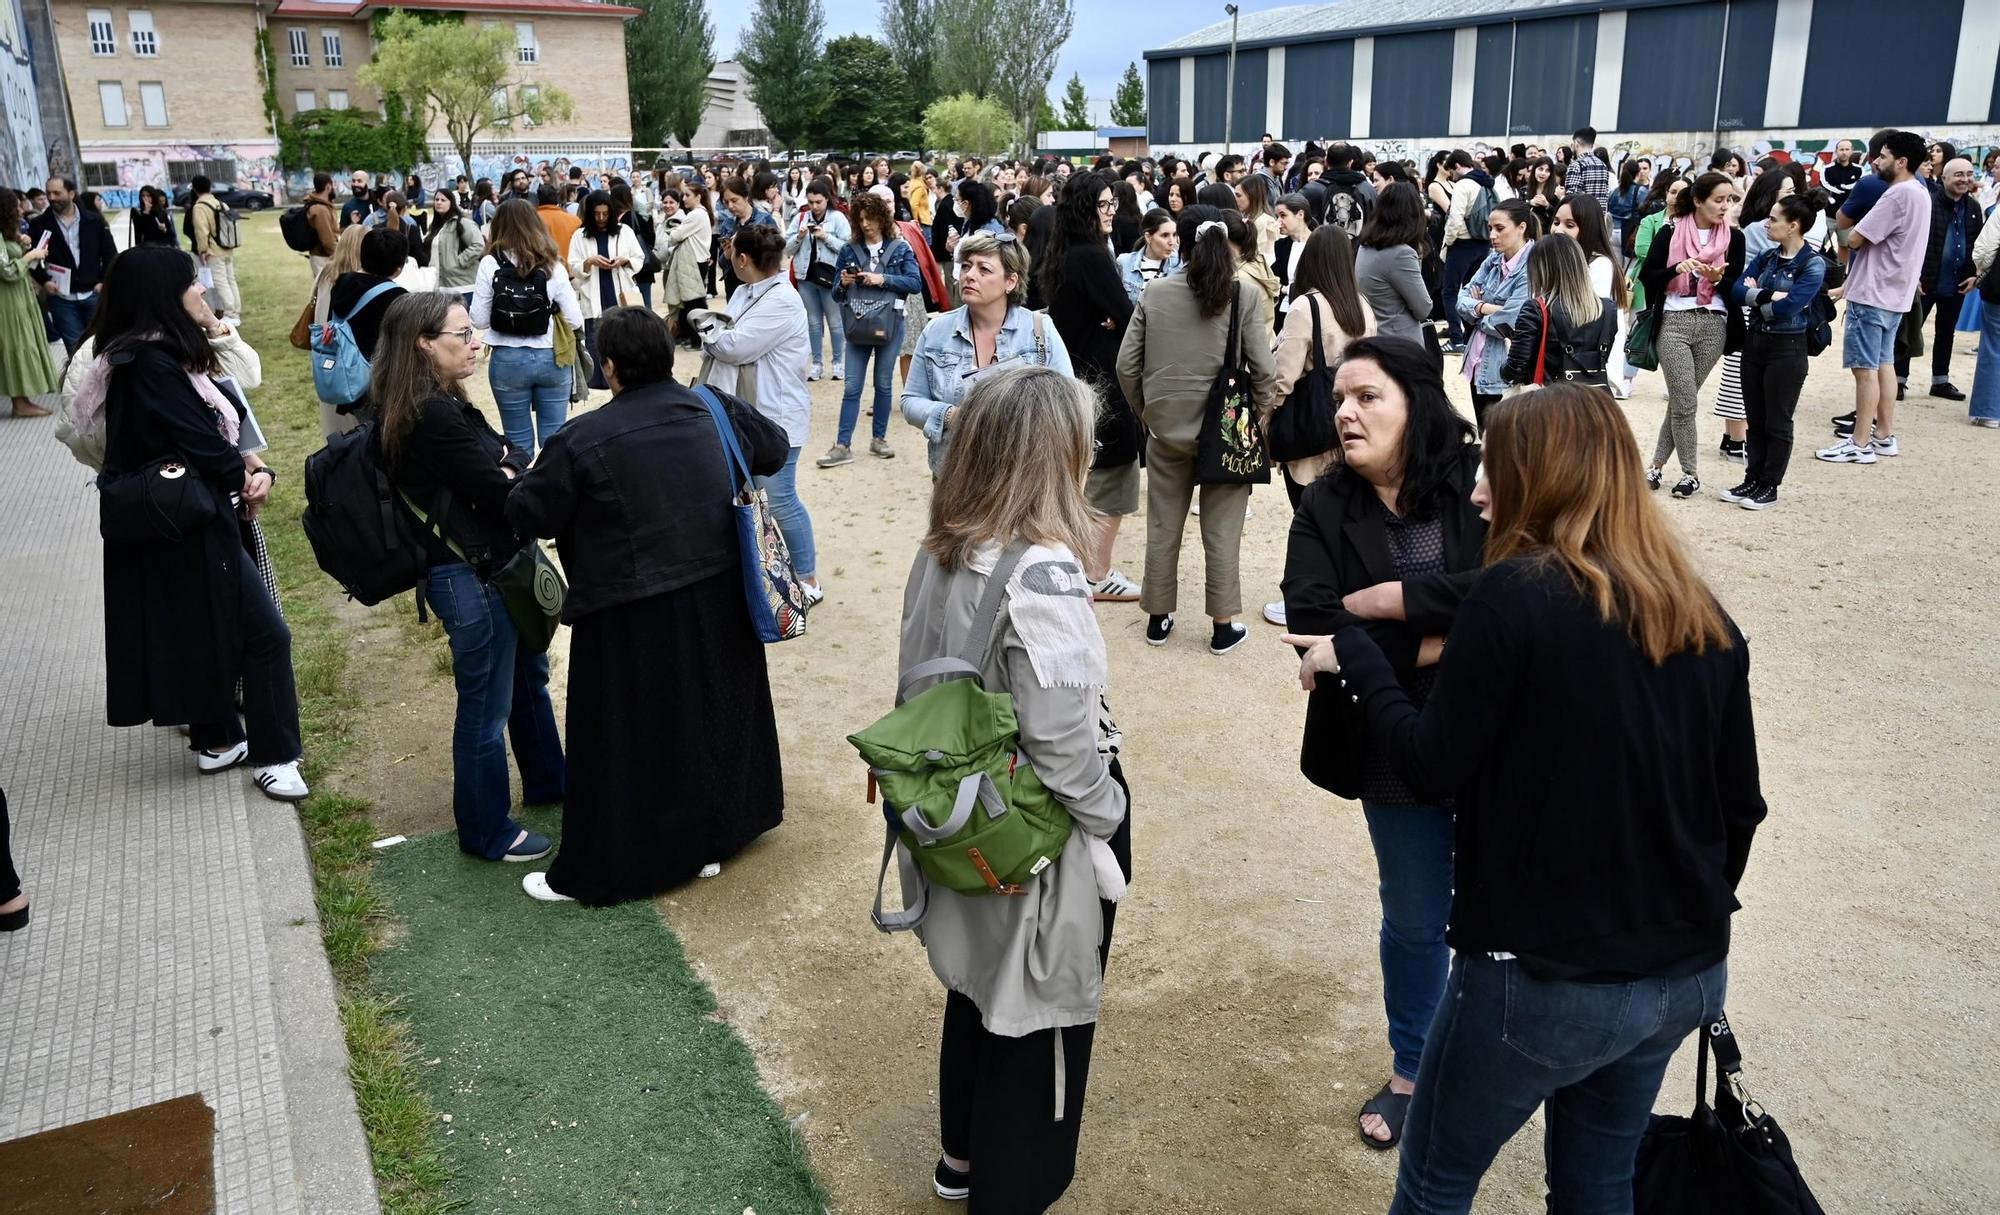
(463, 335)
(1108, 204)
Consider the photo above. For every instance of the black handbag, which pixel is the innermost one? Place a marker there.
(1729, 1159)
(819, 273)
(1302, 427)
(163, 503)
(534, 593)
(1230, 449)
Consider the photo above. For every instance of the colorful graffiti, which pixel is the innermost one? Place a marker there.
(23, 158)
(256, 168)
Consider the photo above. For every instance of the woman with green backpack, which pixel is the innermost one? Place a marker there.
(1023, 961)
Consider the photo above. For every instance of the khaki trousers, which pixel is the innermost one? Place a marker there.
(1169, 495)
(223, 297)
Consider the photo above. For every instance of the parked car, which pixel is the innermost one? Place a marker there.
(234, 197)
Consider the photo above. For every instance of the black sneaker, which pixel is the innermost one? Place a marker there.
(1765, 498)
(950, 1184)
(1732, 449)
(1227, 637)
(1653, 476)
(1158, 627)
(1947, 392)
(1739, 493)
(1688, 486)
(1900, 389)
(1843, 425)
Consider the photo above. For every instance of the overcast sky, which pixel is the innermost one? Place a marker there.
(1108, 35)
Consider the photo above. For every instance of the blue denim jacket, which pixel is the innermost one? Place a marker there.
(898, 269)
(1798, 277)
(1509, 293)
(1128, 271)
(944, 356)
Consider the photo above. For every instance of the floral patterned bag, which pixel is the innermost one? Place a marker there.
(1230, 449)
(771, 588)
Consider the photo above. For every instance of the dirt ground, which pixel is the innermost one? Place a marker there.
(1242, 1021)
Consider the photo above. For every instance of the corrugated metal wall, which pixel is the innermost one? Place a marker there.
(1163, 101)
(1747, 74)
(1211, 76)
(1874, 61)
(1412, 84)
(1319, 89)
(1493, 77)
(1672, 59)
(1253, 95)
(1555, 62)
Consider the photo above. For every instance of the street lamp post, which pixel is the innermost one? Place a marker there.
(1229, 90)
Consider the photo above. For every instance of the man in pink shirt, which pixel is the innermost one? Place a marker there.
(1887, 257)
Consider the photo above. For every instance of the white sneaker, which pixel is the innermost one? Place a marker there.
(814, 375)
(1275, 613)
(208, 763)
(537, 886)
(1845, 452)
(814, 594)
(837, 374)
(282, 782)
(710, 870)
(1114, 587)
(1885, 445)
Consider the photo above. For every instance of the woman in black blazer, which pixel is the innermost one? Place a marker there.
(1388, 539)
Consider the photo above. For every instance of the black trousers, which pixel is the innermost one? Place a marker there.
(1461, 261)
(996, 1095)
(270, 697)
(1481, 402)
(1773, 372)
(10, 881)
(1946, 310)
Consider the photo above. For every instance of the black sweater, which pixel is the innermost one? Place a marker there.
(1605, 805)
(1093, 293)
(366, 325)
(452, 449)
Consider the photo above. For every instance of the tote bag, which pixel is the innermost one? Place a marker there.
(1303, 427)
(771, 588)
(1230, 449)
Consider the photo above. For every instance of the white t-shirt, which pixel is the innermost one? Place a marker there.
(1703, 239)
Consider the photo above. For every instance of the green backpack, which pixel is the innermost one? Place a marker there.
(955, 790)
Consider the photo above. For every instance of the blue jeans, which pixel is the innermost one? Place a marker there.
(1505, 1043)
(71, 319)
(1986, 372)
(531, 391)
(1461, 262)
(821, 309)
(782, 487)
(500, 688)
(1413, 851)
(885, 385)
(1870, 338)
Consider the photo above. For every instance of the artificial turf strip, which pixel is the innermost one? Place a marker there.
(583, 1066)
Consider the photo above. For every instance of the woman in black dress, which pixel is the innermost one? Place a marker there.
(152, 220)
(673, 743)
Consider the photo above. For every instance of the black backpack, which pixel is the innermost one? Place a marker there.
(296, 227)
(360, 532)
(1346, 209)
(521, 305)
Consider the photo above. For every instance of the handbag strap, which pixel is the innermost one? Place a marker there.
(361, 303)
(738, 467)
(1231, 353)
(1542, 351)
(1319, 345)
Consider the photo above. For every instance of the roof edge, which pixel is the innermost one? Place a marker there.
(1560, 8)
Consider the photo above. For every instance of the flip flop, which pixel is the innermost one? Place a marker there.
(1391, 1107)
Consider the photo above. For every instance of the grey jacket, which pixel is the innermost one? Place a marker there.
(1393, 284)
(1171, 354)
(1028, 961)
(454, 257)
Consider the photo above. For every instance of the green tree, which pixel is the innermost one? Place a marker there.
(1044, 117)
(462, 75)
(669, 52)
(1075, 106)
(969, 44)
(1128, 103)
(910, 29)
(868, 104)
(1035, 33)
(975, 126)
(338, 141)
(781, 51)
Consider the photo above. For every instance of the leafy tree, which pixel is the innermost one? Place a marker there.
(338, 141)
(976, 126)
(460, 74)
(868, 103)
(910, 29)
(1045, 116)
(1075, 106)
(1035, 33)
(781, 50)
(1128, 103)
(669, 52)
(970, 40)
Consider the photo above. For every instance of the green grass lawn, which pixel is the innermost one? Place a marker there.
(582, 1065)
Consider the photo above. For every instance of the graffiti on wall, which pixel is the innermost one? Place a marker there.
(23, 159)
(256, 168)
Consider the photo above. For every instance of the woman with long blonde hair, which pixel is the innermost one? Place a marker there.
(1591, 720)
(1024, 976)
(519, 295)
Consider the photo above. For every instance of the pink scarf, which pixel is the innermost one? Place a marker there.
(1683, 247)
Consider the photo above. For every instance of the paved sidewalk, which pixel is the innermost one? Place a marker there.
(174, 947)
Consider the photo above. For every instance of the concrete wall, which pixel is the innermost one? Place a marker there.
(24, 159)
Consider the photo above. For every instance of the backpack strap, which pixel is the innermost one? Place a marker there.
(987, 615)
(1041, 339)
(361, 303)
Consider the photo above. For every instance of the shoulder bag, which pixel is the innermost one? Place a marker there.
(1303, 426)
(1230, 449)
(163, 503)
(1730, 1157)
(530, 586)
(771, 588)
(871, 311)
(820, 274)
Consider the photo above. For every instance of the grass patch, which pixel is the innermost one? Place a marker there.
(584, 1067)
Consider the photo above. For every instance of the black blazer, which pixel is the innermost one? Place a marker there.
(1339, 545)
(88, 264)
(1656, 273)
(1093, 293)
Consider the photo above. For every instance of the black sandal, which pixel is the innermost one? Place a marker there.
(1391, 1107)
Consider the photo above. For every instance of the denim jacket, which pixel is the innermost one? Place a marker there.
(1509, 292)
(1128, 271)
(944, 357)
(898, 269)
(1798, 277)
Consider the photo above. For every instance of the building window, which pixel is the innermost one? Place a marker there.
(525, 47)
(301, 55)
(303, 100)
(100, 175)
(111, 97)
(145, 43)
(221, 172)
(153, 103)
(336, 99)
(528, 94)
(329, 47)
(103, 38)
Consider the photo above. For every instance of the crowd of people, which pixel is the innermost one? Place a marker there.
(1477, 603)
